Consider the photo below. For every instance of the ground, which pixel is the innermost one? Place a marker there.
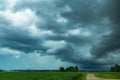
(42, 76)
(58, 76)
(93, 77)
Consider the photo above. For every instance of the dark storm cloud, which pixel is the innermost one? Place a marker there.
(110, 43)
(64, 53)
(82, 11)
(74, 39)
(48, 11)
(60, 21)
(19, 40)
(112, 10)
(89, 12)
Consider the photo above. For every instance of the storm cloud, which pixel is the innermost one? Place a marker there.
(110, 43)
(84, 33)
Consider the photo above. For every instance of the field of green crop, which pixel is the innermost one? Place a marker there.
(42, 76)
(108, 75)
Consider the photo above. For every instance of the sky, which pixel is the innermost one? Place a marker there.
(48, 34)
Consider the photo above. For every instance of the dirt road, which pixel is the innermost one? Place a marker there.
(93, 77)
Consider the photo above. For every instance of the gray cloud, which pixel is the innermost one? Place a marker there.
(109, 43)
(112, 10)
(78, 23)
(19, 40)
(82, 11)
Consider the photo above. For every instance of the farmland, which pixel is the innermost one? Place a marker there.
(33, 75)
(42, 76)
(109, 75)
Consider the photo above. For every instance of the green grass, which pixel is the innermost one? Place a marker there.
(80, 77)
(42, 76)
(108, 75)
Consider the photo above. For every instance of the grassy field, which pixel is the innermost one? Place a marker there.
(108, 75)
(42, 76)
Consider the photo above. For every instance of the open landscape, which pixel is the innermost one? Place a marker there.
(107, 75)
(33, 75)
(59, 39)
(42, 76)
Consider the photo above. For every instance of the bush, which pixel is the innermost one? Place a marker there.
(62, 69)
(69, 69)
(115, 68)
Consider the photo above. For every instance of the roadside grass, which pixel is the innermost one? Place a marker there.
(108, 75)
(80, 77)
(42, 76)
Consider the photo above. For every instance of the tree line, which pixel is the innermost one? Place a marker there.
(69, 69)
(115, 68)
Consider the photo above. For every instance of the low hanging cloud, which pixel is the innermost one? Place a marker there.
(110, 43)
(64, 29)
(80, 9)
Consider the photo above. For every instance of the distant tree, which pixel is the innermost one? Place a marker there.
(115, 68)
(62, 69)
(119, 68)
(71, 69)
(76, 68)
(111, 69)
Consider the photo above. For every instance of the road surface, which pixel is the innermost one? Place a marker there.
(93, 77)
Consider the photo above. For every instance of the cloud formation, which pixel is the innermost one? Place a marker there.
(81, 32)
(110, 43)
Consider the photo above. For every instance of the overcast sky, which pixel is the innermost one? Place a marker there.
(47, 34)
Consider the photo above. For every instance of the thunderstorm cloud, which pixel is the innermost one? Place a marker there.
(67, 32)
